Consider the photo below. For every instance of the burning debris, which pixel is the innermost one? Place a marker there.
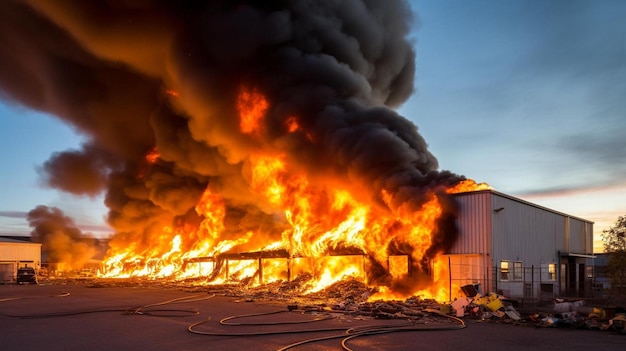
(233, 127)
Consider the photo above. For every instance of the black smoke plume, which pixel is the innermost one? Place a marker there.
(134, 76)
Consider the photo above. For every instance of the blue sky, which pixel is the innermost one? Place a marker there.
(29, 138)
(533, 90)
(527, 96)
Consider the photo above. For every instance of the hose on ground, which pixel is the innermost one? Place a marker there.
(347, 335)
(145, 310)
(63, 294)
(225, 321)
(374, 330)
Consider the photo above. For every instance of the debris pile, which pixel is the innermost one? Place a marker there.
(570, 314)
(353, 297)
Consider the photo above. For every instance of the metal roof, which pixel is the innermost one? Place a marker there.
(522, 201)
(17, 241)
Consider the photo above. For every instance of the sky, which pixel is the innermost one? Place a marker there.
(524, 95)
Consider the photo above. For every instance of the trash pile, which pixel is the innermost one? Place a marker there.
(485, 307)
(353, 297)
(574, 314)
(570, 314)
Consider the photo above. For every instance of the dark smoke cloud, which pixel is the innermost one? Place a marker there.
(79, 172)
(62, 241)
(132, 76)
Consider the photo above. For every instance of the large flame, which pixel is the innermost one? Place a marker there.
(245, 141)
(329, 233)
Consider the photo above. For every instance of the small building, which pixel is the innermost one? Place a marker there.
(519, 249)
(15, 254)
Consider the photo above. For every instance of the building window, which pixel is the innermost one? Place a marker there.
(504, 270)
(589, 270)
(552, 271)
(517, 271)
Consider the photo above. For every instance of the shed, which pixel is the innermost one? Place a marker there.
(518, 248)
(15, 254)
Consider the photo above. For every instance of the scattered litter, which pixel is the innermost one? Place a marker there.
(471, 290)
(491, 301)
(550, 321)
(512, 313)
(618, 323)
(352, 299)
(459, 306)
(562, 305)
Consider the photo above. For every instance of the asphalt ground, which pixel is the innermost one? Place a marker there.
(79, 317)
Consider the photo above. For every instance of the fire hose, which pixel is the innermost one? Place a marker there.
(63, 294)
(225, 321)
(142, 310)
(348, 334)
(145, 310)
(375, 330)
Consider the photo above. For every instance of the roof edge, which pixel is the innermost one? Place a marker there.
(511, 197)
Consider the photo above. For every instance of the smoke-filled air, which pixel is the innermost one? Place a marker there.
(225, 127)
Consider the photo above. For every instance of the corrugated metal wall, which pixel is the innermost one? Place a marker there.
(499, 227)
(30, 252)
(474, 222)
(525, 233)
(17, 254)
(579, 237)
(511, 228)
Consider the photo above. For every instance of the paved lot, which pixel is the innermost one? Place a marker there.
(76, 317)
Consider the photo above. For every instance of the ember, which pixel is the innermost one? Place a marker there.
(239, 131)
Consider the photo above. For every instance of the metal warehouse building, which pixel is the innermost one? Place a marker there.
(520, 249)
(15, 254)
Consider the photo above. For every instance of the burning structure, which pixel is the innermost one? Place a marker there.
(237, 127)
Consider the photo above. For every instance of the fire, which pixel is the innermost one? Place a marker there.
(252, 106)
(267, 172)
(153, 156)
(292, 124)
(468, 185)
(329, 232)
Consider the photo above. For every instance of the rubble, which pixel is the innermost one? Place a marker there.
(562, 305)
(618, 323)
(492, 302)
(352, 298)
(566, 313)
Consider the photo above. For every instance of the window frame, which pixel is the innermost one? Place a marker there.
(505, 271)
(518, 271)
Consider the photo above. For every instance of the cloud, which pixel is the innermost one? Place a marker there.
(578, 190)
(526, 90)
(13, 214)
(92, 228)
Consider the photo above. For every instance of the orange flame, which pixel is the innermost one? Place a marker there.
(292, 124)
(319, 220)
(153, 156)
(468, 185)
(252, 106)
